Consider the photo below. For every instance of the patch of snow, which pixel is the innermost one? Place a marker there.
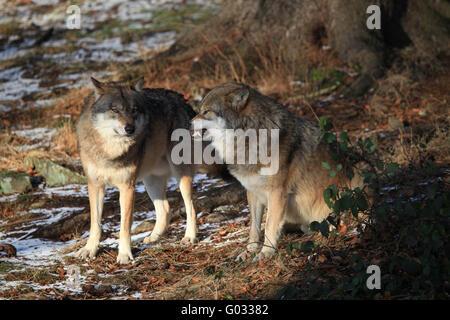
(12, 52)
(4, 108)
(9, 198)
(36, 134)
(36, 252)
(329, 98)
(28, 147)
(53, 215)
(16, 87)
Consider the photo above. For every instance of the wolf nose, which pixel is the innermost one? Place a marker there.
(129, 128)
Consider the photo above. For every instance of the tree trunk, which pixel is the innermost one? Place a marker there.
(242, 25)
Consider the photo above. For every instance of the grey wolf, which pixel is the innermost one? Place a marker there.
(294, 194)
(124, 137)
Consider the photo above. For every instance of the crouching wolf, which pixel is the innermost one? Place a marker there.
(124, 137)
(294, 193)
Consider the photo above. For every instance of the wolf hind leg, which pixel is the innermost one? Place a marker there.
(156, 189)
(96, 199)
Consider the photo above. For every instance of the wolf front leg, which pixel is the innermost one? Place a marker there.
(277, 202)
(96, 197)
(256, 213)
(126, 218)
(191, 217)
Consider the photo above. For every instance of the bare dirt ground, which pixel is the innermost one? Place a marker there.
(44, 72)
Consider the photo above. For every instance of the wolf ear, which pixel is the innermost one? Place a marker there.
(139, 85)
(99, 87)
(239, 100)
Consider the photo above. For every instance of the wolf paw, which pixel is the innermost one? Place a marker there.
(251, 247)
(87, 252)
(187, 240)
(124, 258)
(152, 238)
(242, 256)
(265, 253)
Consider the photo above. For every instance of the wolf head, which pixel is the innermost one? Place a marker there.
(222, 107)
(233, 113)
(118, 111)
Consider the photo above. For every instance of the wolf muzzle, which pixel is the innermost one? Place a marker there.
(197, 132)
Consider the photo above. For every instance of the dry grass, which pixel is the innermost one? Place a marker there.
(204, 272)
(265, 64)
(11, 159)
(63, 144)
(65, 139)
(395, 84)
(421, 106)
(72, 103)
(276, 75)
(412, 149)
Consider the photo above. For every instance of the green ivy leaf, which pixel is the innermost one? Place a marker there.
(330, 193)
(329, 137)
(324, 228)
(290, 248)
(371, 144)
(346, 202)
(307, 246)
(326, 165)
(391, 167)
(362, 203)
(314, 226)
(344, 136)
(324, 122)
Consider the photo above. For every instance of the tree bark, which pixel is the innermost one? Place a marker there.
(293, 24)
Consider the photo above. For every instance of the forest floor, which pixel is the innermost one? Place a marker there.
(44, 79)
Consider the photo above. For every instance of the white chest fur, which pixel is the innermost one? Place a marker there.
(255, 183)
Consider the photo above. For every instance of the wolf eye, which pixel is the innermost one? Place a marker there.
(115, 110)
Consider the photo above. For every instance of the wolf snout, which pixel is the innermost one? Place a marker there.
(196, 132)
(196, 128)
(129, 128)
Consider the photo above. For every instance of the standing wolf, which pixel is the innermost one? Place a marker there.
(124, 136)
(293, 194)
